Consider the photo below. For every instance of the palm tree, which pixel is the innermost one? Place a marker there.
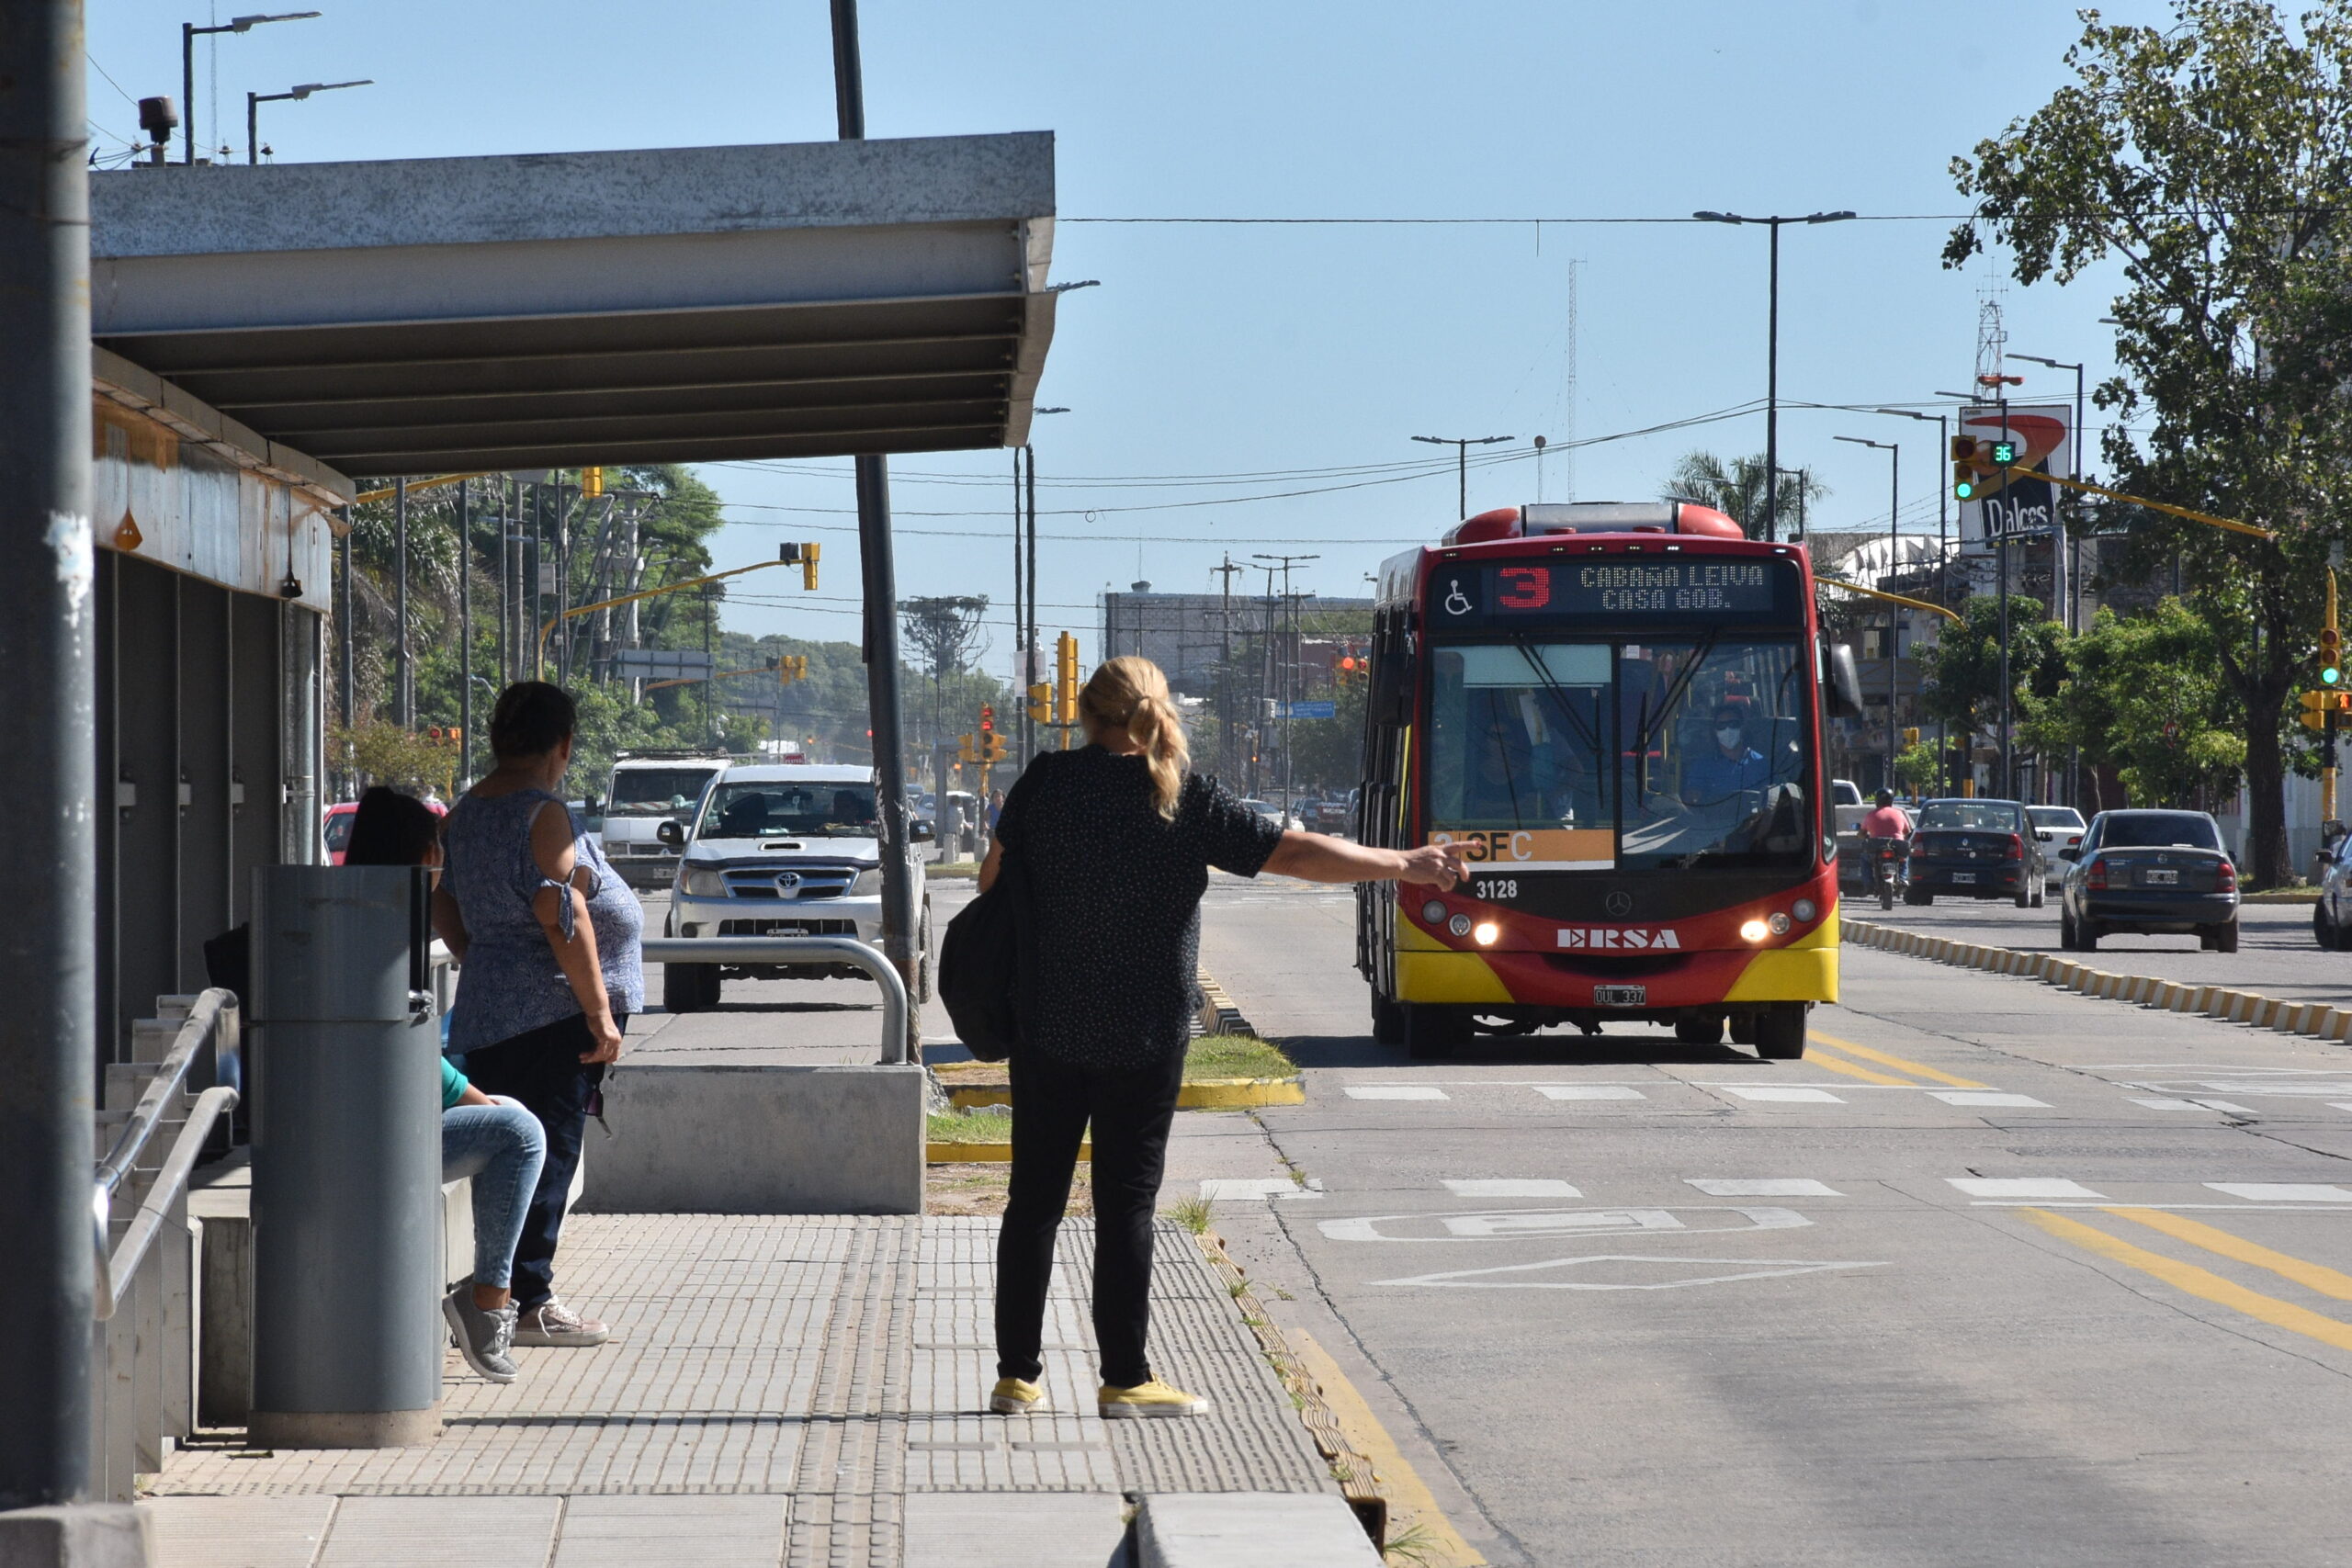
(1736, 489)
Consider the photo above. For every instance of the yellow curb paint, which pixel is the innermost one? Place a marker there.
(1239, 1094)
(1900, 1064)
(967, 1097)
(1408, 1495)
(2310, 1276)
(2202, 1284)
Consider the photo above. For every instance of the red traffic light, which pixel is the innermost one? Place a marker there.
(987, 717)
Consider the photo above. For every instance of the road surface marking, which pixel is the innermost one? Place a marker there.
(2202, 1284)
(1395, 1091)
(1526, 1224)
(1280, 1187)
(1883, 1081)
(1986, 1097)
(1589, 1091)
(1783, 1094)
(1761, 1187)
(1747, 1268)
(1900, 1064)
(2310, 1276)
(2231, 1106)
(2282, 1191)
(2022, 1186)
(1408, 1495)
(1508, 1187)
(2156, 1104)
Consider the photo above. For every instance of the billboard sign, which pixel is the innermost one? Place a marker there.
(2017, 502)
(1325, 709)
(660, 664)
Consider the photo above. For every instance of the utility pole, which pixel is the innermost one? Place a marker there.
(47, 646)
(464, 637)
(1462, 444)
(1285, 684)
(1029, 637)
(881, 584)
(403, 694)
(1019, 663)
(343, 629)
(1227, 756)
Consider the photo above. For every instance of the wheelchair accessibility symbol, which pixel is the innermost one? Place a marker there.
(1456, 602)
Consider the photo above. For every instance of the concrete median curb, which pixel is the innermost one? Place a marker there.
(2316, 1020)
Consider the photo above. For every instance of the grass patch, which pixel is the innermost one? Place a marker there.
(1192, 1214)
(967, 1127)
(952, 868)
(1236, 1056)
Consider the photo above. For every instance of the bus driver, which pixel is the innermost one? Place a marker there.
(1731, 767)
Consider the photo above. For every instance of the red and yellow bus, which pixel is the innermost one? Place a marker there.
(1616, 709)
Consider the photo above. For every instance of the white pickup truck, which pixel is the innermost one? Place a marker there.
(647, 789)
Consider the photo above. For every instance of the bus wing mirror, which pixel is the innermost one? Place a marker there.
(1844, 698)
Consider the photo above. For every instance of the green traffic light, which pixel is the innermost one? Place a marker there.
(2330, 676)
(1964, 490)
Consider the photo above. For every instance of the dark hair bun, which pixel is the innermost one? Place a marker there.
(532, 720)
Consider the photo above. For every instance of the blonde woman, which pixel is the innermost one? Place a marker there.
(1118, 838)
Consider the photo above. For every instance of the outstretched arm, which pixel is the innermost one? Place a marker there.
(1316, 857)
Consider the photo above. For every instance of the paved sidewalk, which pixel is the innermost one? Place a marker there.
(780, 1390)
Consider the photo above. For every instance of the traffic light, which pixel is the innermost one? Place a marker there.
(2004, 454)
(1041, 702)
(964, 752)
(2317, 705)
(987, 719)
(2331, 656)
(993, 746)
(792, 667)
(803, 555)
(1911, 738)
(592, 482)
(1963, 467)
(1066, 680)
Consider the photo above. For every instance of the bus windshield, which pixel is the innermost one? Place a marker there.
(1611, 754)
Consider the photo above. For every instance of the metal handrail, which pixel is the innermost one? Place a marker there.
(801, 949)
(202, 1021)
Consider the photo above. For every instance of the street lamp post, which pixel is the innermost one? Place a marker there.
(2070, 593)
(1772, 354)
(1893, 503)
(1943, 553)
(188, 33)
(255, 100)
(1462, 444)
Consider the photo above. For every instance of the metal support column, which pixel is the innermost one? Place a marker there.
(47, 649)
(403, 694)
(464, 637)
(881, 584)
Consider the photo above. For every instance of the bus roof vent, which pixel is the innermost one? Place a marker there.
(1627, 517)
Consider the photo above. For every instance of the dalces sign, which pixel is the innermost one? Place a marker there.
(2016, 501)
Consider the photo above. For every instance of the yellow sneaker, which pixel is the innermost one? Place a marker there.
(1150, 1399)
(1014, 1397)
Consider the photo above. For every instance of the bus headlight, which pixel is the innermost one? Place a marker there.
(1779, 924)
(702, 885)
(1459, 925)
(1434, 912)
(1485, 933)
(1804, 909)
(1754, 930)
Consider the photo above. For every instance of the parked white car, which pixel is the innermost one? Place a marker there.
(2057, 827)
(779, 849)
(1273, 813)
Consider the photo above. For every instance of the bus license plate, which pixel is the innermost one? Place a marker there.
(1621, 995)
(1964, 876)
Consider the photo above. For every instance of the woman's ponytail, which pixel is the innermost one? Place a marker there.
(1131, 692)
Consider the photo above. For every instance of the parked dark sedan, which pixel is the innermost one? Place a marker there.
(2150, 871)
(1976, 849)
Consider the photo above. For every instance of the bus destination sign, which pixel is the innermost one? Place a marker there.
(1609, 588)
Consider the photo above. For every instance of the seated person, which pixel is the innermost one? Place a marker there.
(1728, 770)
(1887, 821)
(496, 1142)
(745, 818)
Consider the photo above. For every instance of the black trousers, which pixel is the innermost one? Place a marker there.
(1130, 1109)
(542, 1069)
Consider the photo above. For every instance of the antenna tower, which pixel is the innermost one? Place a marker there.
(1569, 419)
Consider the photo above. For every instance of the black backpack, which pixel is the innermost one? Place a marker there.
(987, 964)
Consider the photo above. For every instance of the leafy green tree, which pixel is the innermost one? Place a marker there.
(1918, 767)
(2211, 158)
(1961, 674)
(2144, 695)
(1735, 489)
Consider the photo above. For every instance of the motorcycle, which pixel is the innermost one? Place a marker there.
(1887, 860)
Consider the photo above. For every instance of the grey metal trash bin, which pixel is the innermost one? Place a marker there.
(346, 1159)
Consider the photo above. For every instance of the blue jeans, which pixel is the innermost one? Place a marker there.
(502, 1146)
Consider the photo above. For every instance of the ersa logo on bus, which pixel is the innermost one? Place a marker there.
(1620, 939)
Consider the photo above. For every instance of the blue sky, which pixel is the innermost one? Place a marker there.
(1267, 350)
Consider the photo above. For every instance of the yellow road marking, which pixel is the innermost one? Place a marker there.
(1815, 1059)
(2200, 1282)
(2310, 1276)
(1900, 1064)
(1408, 1496)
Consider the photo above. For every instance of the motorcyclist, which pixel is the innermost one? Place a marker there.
(1888, 820)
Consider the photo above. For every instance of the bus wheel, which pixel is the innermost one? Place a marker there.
(1431, 1033)
(1698, 1030)
(1387, 1020)
(1780, 1032)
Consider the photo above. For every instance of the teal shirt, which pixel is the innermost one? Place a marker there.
(453, 1084)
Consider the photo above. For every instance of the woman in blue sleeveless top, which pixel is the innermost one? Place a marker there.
(546, 937)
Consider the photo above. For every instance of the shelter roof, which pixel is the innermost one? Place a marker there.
(552, 310)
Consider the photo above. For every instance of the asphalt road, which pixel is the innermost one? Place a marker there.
(2275, 953)
(1998, 1275)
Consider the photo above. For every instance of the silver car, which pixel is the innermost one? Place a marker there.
(2058, 827)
